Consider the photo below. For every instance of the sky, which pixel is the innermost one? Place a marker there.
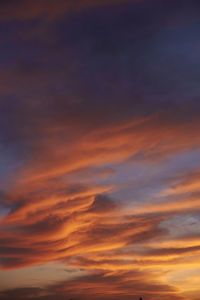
(99, 149)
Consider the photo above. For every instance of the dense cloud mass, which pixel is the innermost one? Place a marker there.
(99, 150)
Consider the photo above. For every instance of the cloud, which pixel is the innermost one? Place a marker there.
(88, 106)
(20, 293)
(180, 197)
(126, 285)
(53, 217)
(25, 10)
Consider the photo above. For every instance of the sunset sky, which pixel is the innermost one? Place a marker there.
(100, 149)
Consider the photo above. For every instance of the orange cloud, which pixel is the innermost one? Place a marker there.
(151, 138)
(53, 218)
